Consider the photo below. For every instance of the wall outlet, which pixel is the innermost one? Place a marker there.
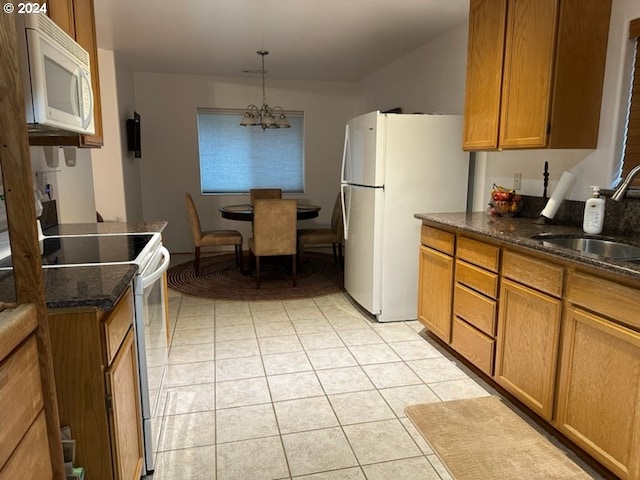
(517, 181)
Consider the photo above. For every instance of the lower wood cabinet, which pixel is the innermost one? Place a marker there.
(24, 444)
(474, 302)
(96, 372)
(529, 325)
(527, 346)
(599, 390)
(567, 344)
(472, 344)
(598, 404)
(123, 408)
(434, 301)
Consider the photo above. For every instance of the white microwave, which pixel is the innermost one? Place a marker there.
(57, 78)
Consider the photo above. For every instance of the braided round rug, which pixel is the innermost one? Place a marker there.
(219, 278)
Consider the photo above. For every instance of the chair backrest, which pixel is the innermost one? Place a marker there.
(256, 193)
(337, 225)
(274, 226)
(194, 219)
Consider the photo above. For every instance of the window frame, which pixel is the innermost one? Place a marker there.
(631, 152)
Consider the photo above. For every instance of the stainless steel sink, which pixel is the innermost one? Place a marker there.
(594, 247)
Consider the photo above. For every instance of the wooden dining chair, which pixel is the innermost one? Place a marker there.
(256, 193)
(324, 236)
(211, 238)
(274, 232)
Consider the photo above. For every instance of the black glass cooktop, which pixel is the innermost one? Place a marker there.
(90, 249)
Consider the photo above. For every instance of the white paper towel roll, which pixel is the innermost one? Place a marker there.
(565, 185)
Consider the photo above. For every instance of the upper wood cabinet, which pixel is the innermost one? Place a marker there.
(76, 17)
(535, 70)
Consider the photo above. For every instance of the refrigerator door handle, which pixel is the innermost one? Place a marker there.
(345, 216)
(344, 155)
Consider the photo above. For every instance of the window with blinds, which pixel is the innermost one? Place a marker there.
(235, 159)
(631, 156)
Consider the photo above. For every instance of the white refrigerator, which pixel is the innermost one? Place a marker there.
(396, 165)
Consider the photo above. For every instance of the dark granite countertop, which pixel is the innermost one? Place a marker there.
(518, 231)
(91, 286)
(106, 227)
(65, 287)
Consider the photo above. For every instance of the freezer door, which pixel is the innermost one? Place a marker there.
(363, 157)
(363, 249)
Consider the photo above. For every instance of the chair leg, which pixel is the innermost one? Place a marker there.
(293, 269)
(257, 272)
(239, 257)
(196, 262)
(301, 255)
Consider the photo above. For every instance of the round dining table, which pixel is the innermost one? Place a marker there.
(244, 212)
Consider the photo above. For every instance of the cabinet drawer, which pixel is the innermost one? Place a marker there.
(476, 278)
(20, 395)
(610, 299)
(478, 253)
(25, 463)
(475, 346)
(534, 273)
(117, 324)
(437, 239)
(476, 309)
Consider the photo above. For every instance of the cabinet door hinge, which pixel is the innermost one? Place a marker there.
(109, 402)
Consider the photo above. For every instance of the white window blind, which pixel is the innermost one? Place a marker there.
(234, 159)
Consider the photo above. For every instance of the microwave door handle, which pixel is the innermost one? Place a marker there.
(86, 115)
(157, 273)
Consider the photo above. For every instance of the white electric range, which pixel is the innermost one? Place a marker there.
(146, 251)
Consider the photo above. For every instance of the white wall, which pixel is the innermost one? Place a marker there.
(167, 105)
(440, 86)
(72, 187)
(429, 79)
(116, 173)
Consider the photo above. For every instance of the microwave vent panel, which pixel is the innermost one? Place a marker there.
(44, 24)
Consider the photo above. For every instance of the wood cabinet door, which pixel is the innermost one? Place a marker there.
(85, 28)
(485, 53)
(435, 287)
(527, 345)
(61, 12)
(599, 390)
(528, 73)
(124, 413)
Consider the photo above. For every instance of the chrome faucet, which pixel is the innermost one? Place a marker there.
(618, 195)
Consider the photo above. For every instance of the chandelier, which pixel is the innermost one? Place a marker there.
(264, 116)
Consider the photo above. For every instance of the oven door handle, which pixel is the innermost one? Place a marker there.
(157, 273)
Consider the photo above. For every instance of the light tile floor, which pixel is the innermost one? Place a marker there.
(301, 389)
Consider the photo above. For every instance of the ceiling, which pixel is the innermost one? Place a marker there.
(332, 40)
